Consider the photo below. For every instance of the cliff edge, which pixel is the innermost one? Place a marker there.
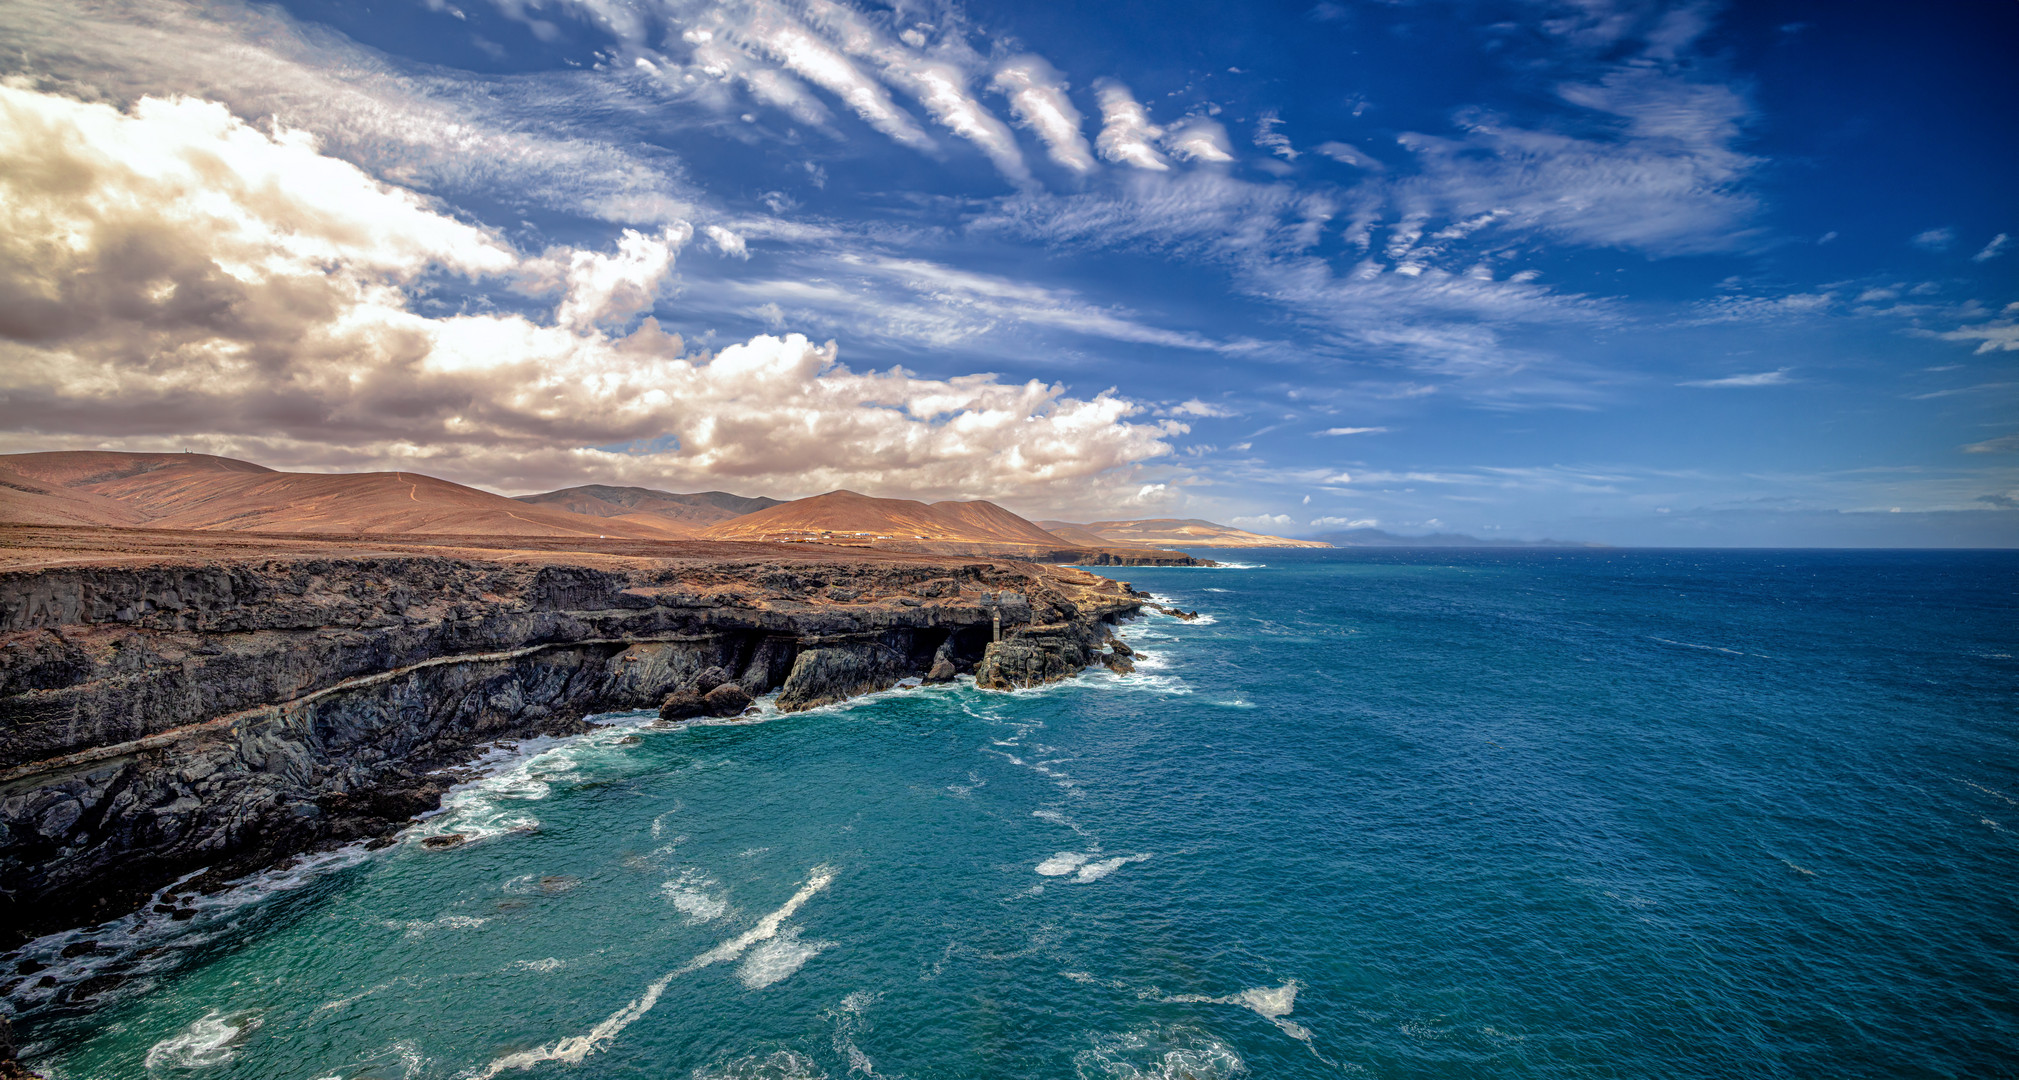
(171, 702)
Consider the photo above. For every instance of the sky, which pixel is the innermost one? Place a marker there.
(1634, 273)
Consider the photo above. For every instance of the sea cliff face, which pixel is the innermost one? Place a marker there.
(158, 717)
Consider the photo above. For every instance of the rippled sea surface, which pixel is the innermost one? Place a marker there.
(1407, 814)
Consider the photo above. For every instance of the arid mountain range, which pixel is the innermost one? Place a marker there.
(203, 492)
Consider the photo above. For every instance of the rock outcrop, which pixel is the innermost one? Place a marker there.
(172, 703)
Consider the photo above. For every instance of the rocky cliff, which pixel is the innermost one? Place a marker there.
(170, 703)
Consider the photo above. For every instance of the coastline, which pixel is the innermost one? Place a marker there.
(299, 695)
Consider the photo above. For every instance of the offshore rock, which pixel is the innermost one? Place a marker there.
(727, 699)
(829, 674)
(171, 702)
(1119, 662)
(1035, 656)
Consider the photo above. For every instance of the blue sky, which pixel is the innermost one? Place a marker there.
(1625, 272)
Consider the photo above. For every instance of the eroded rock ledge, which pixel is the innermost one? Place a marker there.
(169, 704)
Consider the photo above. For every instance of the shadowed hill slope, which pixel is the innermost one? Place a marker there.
(198, 491)
(694, 511)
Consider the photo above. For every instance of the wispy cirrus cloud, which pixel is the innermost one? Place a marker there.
(1776, 377)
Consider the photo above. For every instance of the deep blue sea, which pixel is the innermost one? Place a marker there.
(1378, 813)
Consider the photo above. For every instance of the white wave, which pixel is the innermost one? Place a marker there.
(1061, 864)
(778, 1065)
(691, 896)
(550, 964)
(209, 1041)
(1272, 1003)
(1095, 871)
(1058, 817)
(419, 928)
(1215, 590)
(575, 1048)
(1177, 1052)
(850, 1019)
(777, 959)
(1084, 867)
(147, 942)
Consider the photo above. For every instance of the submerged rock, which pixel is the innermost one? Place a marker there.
(443, 842)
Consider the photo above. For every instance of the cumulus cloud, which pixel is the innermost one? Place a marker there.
(605, 289)
(727, 242)
(1199, 139)
(157, 281)
(1038, 100)
(1262, 521)
(1938, 239)
(1127, 136)
(1777, 377)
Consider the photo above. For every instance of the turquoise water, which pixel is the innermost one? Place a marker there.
(1532, 814)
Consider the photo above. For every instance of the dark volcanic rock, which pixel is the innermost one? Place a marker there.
(834, 673)
(1033, 657)
(682, 704)
(726, 699)
(942, 671)
(1118, 662)
(231, 710)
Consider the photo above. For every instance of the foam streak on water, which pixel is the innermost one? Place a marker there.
(575, 1048)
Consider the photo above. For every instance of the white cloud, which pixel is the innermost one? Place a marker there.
(1199, 139)
(1346, 155)
(1352, 431)
(1344, 523)
(1262, 521)
(609, 289)
(1268, 138)
(1038, 100)
(1777, 377)
(1993, 249)
(727, 242)
(1126, 132)
(1934, 239)
(1195, 407)
(2001, 335)
(775, 34)
(503, 138)
(158, 282)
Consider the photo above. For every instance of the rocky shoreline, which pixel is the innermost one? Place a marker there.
(175, 703)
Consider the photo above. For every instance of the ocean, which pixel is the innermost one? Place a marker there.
(1375, 813)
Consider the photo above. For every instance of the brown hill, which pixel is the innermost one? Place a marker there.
(847, 517)
(198, 491)
(942, 528)
(1069, 533)
(698, 510)
(1180, 532)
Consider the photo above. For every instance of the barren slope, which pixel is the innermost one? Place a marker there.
(197, 491)
(696, 510)
(1181, 532)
